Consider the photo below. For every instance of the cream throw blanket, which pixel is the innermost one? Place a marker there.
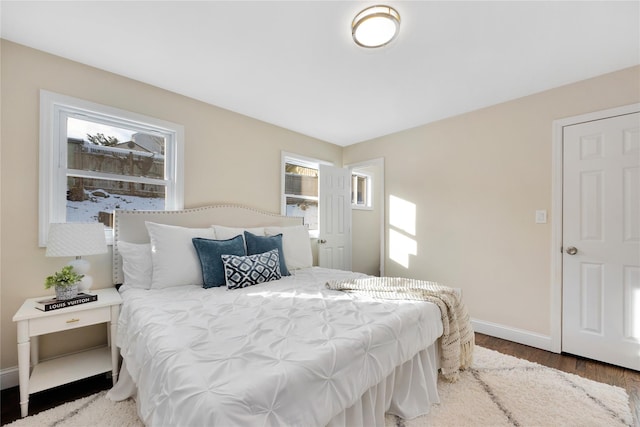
(457, 340)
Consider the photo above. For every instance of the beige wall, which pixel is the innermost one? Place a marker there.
(224, 152)
(475, 181)
(366, 229)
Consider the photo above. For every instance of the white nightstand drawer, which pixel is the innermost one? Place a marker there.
(64, 321)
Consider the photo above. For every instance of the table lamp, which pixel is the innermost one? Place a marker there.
(77, 239)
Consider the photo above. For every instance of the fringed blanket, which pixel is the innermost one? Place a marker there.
(457, 341)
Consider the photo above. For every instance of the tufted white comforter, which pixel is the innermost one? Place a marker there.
(289, 352)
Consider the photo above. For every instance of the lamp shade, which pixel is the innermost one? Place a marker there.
(76, 239)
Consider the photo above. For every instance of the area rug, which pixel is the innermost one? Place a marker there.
(499, 390)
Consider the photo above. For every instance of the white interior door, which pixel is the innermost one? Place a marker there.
(334, 240)
(601, 240)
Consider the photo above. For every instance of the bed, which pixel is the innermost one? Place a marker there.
(283, 352)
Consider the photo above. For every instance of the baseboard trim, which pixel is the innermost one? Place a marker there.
(9, 378)
(519, 336)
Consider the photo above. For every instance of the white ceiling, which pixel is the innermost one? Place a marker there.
(294, 64)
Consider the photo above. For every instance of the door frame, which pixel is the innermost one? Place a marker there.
(556, 210)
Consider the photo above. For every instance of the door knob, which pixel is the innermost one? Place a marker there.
(572, 250)
(321, 241)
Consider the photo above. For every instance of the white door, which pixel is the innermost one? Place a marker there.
(601, 240)
(334, 241)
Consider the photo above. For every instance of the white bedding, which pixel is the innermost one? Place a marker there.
(288, 352)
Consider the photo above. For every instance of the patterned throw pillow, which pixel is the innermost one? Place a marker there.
(243, 271)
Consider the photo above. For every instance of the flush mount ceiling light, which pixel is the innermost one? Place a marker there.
(375, 26)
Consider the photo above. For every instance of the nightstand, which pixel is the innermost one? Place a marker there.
(62, 370)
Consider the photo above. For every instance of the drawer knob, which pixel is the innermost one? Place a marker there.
(73, 320)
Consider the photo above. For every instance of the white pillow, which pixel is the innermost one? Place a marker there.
(136, 264)
(226, 233)
(175, 260)
(296, 245)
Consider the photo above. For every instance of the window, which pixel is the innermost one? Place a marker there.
(95, 159)
(300, 189)
(360, 190)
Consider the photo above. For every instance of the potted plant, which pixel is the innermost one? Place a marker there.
(65, 282)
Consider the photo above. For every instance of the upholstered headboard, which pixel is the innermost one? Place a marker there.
(128, 226)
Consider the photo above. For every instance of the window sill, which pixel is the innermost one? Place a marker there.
(361, 208)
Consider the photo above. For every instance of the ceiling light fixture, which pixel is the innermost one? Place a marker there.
(375, 26)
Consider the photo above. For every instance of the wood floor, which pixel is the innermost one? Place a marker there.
(624, 378)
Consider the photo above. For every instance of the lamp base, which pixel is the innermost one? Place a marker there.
(82, 266)
(85, 284)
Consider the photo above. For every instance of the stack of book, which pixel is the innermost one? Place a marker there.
(54, 304)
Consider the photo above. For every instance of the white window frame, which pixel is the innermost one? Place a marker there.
(54, 109)
(305, 161)
(368, 205)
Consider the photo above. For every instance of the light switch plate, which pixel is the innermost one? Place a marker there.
(541, 217)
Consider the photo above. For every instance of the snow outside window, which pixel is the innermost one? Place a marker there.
(95, 159)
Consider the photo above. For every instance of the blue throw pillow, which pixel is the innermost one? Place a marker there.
(210, 253)
(262, 244)
(243, 271)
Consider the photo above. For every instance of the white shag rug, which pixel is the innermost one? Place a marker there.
(499, 390)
